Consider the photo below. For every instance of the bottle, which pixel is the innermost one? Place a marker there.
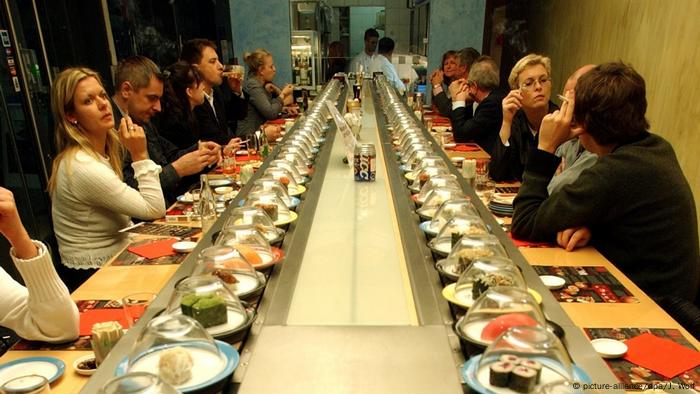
(264, 146)
(305, 100)
(207, 204)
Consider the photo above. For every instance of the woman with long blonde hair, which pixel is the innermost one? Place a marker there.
(90, 201)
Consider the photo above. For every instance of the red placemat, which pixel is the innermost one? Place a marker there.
(92, 316)
(465, 148)
(660, 355)
(154, 250)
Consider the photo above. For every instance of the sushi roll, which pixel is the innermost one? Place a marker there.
(510, 358)
(522, 379)
(499, 373)
(532, 364)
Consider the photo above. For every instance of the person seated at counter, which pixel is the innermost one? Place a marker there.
(362, 61)
(139, 87)
(523, 110)
(90, 200)
(265, 101)
(574, 157)
(441, 79)
(183, 90)
(465, 58)
(482, 88)
(382, 63)
(43, 310)
(634, 205)
(224, 105)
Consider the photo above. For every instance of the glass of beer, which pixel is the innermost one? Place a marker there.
(234, 71)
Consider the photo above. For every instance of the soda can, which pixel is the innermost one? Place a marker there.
(365, 162)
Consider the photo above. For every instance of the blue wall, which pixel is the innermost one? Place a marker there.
(454, 24)
(263, 24)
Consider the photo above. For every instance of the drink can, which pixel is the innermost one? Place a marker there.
(365, 162)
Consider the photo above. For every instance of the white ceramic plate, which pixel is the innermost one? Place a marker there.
(220, 182)
(609, 348)
(184, 246)
(449, 145)
(553, 282)
(223, 189)
(49, 367)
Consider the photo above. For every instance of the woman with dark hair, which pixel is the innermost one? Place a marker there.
(183, 90)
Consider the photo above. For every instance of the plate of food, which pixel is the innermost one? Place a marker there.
(464, 297)
(515, 374)
(188, 366)
(220, 182)
(284, 218)
(296, 190)
(49, 367)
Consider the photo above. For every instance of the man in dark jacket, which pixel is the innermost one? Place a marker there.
(481, 127)
(139, 88)
(634, 204)
(217, 117)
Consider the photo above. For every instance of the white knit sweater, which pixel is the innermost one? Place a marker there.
(43, 310)
(91, 204)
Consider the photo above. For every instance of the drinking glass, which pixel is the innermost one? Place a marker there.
(27, 384)
(485, 189)
(135, 305)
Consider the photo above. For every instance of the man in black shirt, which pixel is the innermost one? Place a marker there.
(139, 88)
(217, 117)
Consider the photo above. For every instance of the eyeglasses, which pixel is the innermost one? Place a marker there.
(530, 83)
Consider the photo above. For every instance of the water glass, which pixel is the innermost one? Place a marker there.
(485, 189)
(27, 384)
(135, 305)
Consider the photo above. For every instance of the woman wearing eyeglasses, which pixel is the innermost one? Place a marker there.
(523, 110)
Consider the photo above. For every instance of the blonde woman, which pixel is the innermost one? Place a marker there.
(91, 202)
(523, 110)
(264, 104)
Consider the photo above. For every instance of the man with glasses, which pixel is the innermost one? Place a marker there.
(481, 128)
(523, 110)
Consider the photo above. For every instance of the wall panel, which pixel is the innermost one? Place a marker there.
(659, 38)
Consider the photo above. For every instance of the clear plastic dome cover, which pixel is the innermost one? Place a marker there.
(271, 185)
(227, 264)
(450, 234)
(497, 310)
(523, 357)
(443, 181)
(436, 198)
(269, 202)
(448, 210)
(471, 247)
(207, 299)
(285, 177)
(484, 273)
(414, 161)
(257, 218)
(178, 349)
(299, 145)
(291, 167)
(421, 176)
(408, 151)
(249, 242)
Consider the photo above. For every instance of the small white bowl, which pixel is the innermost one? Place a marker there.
(609, 348)
(449, 145)
(223, 189)
(241, 152)
(457, 160)
(184, 246)
(84, 371)
(553, 282)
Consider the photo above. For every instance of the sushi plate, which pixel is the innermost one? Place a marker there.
(49, 367)
(208, 368)
(478, 378)
(295, 191)
(427, 228)
(464, 298)
(294, 202)
(286, 219)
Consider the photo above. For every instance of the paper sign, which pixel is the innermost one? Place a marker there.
(348, 137)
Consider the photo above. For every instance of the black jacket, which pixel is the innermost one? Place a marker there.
(482, 127)
(222, 126)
